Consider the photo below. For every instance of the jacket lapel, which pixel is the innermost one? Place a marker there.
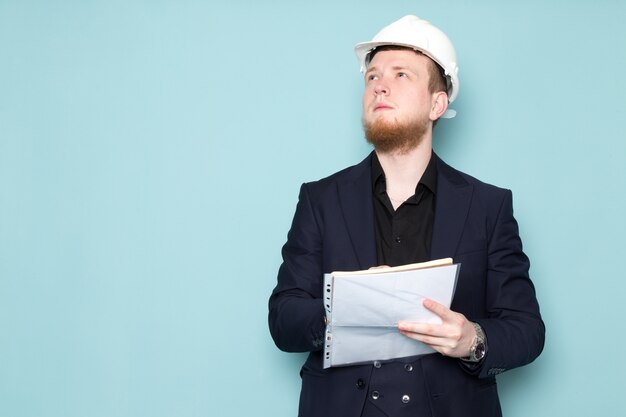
(355, 197)
(454, 195)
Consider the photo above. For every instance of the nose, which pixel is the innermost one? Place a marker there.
(381, 89)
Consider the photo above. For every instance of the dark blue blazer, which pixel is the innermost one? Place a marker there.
(333, 230)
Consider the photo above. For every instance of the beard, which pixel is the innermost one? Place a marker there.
(395, 137)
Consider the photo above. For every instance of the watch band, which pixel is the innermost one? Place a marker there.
(479, 347)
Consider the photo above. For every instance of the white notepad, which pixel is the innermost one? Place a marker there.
(363, 309)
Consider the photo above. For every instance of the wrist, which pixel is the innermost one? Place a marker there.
(478, 349)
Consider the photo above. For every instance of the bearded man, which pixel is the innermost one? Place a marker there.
(401, 205)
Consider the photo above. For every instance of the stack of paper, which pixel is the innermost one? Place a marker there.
(363, 309)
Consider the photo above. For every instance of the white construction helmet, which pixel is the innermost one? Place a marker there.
(418, 34)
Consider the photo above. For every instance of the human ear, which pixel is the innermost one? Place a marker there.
(439, 105)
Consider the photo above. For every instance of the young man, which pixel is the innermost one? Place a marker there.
(403, 204)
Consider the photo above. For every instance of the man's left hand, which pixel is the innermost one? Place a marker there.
(453, 337)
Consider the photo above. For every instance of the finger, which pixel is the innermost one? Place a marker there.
(432, 341)
(439, 309)
(441, 345)
(452, 334)
(380, 267)
(421, 328)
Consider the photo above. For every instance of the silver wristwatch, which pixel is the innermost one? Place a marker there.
(479, 347)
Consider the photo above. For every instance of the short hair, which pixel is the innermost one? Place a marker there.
(437, 81)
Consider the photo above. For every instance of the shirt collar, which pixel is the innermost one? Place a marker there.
(429, 177)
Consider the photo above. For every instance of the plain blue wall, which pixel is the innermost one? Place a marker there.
(150, 157)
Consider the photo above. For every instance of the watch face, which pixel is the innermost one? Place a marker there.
(479, 352)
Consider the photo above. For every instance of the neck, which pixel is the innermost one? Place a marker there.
(403, 169)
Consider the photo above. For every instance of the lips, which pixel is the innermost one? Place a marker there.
(382, 107)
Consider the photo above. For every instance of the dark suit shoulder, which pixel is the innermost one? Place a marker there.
(350, 174)
(461, 179)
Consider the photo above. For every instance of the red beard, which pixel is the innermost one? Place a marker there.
(395, 137)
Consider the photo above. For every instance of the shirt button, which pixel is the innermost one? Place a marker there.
(406, 399)
(408, 367)
(375, 395)
(360, 384)
(398, 240)
(377, 364)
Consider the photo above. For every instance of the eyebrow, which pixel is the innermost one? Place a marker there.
(395, 68)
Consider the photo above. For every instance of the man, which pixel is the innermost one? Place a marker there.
(403, 204)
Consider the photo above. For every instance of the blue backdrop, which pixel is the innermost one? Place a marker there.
(150, 157)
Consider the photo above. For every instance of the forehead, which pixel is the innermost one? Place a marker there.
(404, 57)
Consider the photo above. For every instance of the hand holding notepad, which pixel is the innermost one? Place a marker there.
(363, 309)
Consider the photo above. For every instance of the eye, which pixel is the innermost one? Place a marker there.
(372, 77)
(402, 74)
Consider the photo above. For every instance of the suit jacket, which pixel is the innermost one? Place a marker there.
(333, 230)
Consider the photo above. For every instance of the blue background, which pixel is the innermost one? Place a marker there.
(150, 158)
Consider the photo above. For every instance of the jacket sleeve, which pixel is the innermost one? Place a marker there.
(296, 310)
(513, 326)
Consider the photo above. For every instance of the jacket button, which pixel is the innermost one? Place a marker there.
(377, 364)
(408, 367)
(360, 384)
(406, 399)
(375, 395)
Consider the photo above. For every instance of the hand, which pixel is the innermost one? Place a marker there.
(379, 267)
(453, 337)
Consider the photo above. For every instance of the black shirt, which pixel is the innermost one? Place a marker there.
(404, 235)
